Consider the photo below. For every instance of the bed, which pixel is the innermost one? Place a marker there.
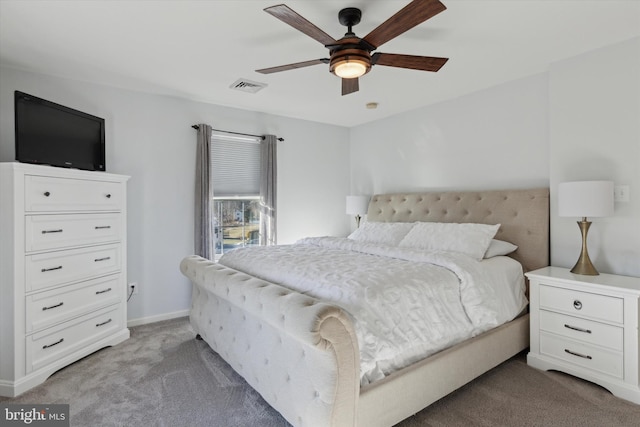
(302, 353)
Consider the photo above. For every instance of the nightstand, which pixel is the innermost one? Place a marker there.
(586, 326)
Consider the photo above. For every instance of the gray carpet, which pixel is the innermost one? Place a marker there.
(162, 376)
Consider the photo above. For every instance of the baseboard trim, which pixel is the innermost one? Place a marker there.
(157, 318)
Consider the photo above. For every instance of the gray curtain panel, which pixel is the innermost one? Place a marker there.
(204, 238)
(268, 191)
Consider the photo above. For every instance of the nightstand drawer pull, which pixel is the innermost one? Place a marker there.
(102, 227)
(103, 323)
(52, 231)
(102, 259)
(44, 270)
(60, 304)
(577, 304)
(578, 354)
(51, 345)
(575, 328)
(108, 289)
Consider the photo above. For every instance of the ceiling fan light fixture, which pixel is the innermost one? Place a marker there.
(349, 66)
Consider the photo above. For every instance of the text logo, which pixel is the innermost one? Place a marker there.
(54, 415)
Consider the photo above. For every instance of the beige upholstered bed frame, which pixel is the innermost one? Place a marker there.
(301, 354)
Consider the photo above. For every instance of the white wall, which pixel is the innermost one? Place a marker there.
(578, 121)
(492, 139)
(150, 138)
(594, 106)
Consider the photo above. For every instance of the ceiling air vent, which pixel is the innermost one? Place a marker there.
(246, 85)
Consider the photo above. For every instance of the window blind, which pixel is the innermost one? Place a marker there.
(235, 163)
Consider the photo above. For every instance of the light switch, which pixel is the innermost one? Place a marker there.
(620, 193)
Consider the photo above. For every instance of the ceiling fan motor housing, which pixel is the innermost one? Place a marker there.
(349, 50)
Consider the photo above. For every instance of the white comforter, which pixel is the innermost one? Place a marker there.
(406, 304)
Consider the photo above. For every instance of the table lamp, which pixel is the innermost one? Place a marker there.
(585, 199)
(358, 206)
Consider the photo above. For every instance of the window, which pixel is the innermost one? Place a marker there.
(235, 178)
(237, 223)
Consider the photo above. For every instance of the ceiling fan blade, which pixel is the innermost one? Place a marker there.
(293, 66)
(350, 86)
(288, 16)
(424, 63)
(408, 17)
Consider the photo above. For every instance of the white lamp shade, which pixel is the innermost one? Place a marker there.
(357, 205)
(585, 198)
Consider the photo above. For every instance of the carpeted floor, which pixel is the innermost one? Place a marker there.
(162, 376)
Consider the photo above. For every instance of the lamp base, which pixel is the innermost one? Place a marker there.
(584, 265)
(358, 217)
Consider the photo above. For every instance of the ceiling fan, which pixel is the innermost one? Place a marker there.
(350, 56)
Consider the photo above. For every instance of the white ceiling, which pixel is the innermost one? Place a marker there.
(197, 49)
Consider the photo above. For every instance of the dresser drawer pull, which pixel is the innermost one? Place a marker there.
(101, 227)
(103, 323)
(52, 306)
(47, 194)
(51, 345)
(52, 231)
(103, 291)
(577, 305)
(51, 269)
(575, 328)
(573, 353)
(108, 196)
(102, 259)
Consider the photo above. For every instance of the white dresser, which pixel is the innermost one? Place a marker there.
(62, 269)
(587, 326)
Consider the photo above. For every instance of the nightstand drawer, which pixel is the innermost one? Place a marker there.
(43, 232)
(582, 329)
(577, 353)
(577, 303)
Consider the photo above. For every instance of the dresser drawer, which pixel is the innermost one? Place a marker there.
(44, 232)
(582, 329)
(56, 342)
(60, 267)
(581, 354)
(49, 194)
(578, 303)
(48, 308)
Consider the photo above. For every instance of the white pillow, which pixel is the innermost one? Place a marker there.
(385, 233)
(499, 247)
(467, 238)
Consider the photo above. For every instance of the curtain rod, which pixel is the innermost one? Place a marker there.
(196, 127)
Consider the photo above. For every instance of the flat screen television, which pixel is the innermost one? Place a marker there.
(51, 134)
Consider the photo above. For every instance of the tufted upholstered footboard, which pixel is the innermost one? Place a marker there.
(299, 353)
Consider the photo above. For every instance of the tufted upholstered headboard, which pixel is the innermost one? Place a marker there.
(523, 215)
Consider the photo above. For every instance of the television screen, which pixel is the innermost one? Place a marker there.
(51, 134)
